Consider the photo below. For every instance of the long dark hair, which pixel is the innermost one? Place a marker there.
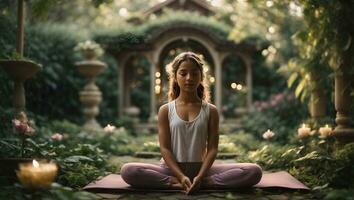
(171, 68)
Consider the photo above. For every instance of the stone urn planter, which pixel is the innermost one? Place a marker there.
(19, 71)
(132, 112)
(91, 96)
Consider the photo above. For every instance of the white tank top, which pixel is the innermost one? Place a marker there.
(188, 139)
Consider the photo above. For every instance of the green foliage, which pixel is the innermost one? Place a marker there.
(340, 194)
(52, 46)
(225, 145)
(324, 45)
(116, 143)
(316, 162)
(273, 157)
(55, 192)
(80, 165)
(151, 147)
(244, 141)
(126, 122)
(274, 115)
(345, 168)
(116, 40)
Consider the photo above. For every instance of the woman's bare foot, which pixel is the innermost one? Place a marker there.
(175, 184)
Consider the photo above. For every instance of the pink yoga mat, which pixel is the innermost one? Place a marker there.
(115, 183)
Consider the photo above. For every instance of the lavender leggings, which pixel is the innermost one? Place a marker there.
(233, 175)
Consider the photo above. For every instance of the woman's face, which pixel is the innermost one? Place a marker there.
(188, 76)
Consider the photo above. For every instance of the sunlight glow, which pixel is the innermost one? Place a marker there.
(205, 69)
(238, 87)
(269, 3)
(216, 3)
(272, 49)
(157, 89)
(271, 29)
(123, 12)
(295, 10)
(265, 52)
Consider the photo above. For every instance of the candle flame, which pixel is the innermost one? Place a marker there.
(327, 126)
(303, 125)
(35, 164)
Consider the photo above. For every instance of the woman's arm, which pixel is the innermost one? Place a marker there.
(165, 143)
(212, 147)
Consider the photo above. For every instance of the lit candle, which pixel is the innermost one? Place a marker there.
(268, 134)
(37, 175)
(325, 131)
(303, 131)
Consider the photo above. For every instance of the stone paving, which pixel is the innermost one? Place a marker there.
(254, 194)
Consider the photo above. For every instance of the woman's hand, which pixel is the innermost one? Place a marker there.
(196, 185)
(186, 183)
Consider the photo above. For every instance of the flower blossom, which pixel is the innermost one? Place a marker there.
(268, 134)
(57, 137)
(109, 128)
(22, 125)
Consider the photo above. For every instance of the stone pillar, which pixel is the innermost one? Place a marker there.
(218, 87)
(344, 131)
(120, 89)
(121, 83)
(317, 105)
(247, 62)
(153, 59)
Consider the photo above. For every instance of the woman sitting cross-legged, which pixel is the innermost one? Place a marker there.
(188, 135)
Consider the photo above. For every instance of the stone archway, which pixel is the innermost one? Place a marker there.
(132, 67)
(244, 79)
(169, 52)
(213, 48)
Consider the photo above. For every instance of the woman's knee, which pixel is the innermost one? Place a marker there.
(130, 172)
(255, 172)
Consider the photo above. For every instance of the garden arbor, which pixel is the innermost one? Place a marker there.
(181, 36)
(165, 38)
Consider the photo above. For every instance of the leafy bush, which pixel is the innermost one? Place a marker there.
(315, 162)
(115, 40)
(273, 157)
(151, 147)
(275, 114)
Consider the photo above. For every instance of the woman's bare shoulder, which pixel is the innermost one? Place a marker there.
(212, 108)
(164, 108)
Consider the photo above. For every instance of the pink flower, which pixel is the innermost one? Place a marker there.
(22, 127)
(268, 134)
(273, 102)
(57, 137)
(109, 128)
(29, 131)
(264, 105)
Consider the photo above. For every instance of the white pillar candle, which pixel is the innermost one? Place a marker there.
(325, 131)
(303, 131)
